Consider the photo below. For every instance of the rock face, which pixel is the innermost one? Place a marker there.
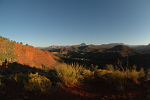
(28, 55)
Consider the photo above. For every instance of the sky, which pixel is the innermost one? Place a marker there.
(43, 23)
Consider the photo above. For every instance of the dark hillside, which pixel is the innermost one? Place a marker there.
(92, 55)
(87, 48)
(124, 50)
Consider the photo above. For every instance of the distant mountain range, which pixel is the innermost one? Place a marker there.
(56, 46)
(83, 44)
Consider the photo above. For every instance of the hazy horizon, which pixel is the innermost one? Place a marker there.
(43, 23)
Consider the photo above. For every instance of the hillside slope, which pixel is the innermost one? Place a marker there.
(24, 54)
(124, 50)
(28, 55)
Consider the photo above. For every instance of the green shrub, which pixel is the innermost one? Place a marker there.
(7, 51)
(69, 75)
(21, 43)
(38, 83)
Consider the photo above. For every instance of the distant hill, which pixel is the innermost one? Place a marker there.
(113, 44)
(119, 48)
(115, 52)
(87, 48)
(124, 50)
(24, 54)
(58, 47)
(137, 46)
(53, 47)
(147, 47)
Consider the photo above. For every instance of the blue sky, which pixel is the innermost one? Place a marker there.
(70, 22)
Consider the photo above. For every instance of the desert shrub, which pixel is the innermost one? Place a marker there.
(21, 43)
(101, 72)
(132, 74)
(142, 73)
(115, 78)
(109, 67)
(69, 75)
(38, 83)
(3, 38)
(148, 73)
(87, 75)
(20, 77)
(93, 68)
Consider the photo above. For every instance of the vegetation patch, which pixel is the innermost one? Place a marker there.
(70, 75)
(115, 77)
(37, 83)
(6, 50)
